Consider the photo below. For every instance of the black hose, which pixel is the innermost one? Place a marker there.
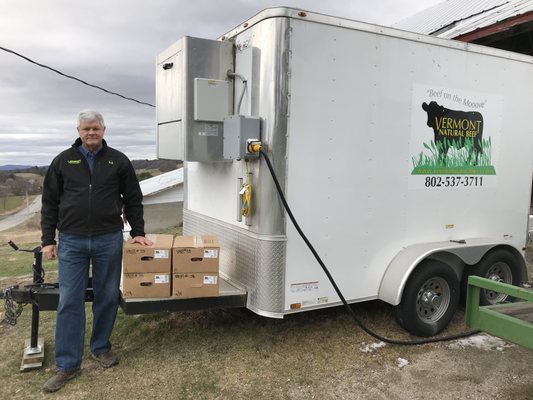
(337, 290)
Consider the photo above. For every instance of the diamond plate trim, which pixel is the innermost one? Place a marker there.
(256, 262)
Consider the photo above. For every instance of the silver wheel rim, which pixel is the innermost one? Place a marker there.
(433, 299)
(498, 272)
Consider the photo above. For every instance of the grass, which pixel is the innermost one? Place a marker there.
(458, 159)
(10, 203)
(235, 354)
(173, 230)
(200, 355)
(17, 263)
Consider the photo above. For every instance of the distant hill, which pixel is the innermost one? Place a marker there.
(161, 165)
(17, 180)
(14, 167)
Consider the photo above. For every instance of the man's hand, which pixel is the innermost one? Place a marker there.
(142, 240)
(50, 251)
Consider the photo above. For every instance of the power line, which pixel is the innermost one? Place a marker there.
(73, 77)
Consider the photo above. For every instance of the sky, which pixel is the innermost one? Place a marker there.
(114, 44)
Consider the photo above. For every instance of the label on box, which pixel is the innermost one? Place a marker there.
(161, 253)
(182, 251)
(161, 279)
(210, 253)
(210, 280)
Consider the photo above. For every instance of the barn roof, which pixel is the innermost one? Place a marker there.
(159, 183)
(456, 18)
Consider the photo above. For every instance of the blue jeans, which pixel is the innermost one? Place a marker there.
(75, 253)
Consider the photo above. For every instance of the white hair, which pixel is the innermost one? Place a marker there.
(90, 115)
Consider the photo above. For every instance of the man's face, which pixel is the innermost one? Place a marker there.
(91, 134)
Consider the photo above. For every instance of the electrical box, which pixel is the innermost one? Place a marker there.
(193, 95)
(211, 100)
(238, 131)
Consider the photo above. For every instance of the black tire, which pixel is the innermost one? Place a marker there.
(429, 299)
(498, 265)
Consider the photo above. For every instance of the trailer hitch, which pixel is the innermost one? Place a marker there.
(30, 293)
(14, 293)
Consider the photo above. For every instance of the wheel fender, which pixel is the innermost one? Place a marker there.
(400, 268)
(521, 266)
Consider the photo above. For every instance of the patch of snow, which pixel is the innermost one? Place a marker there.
(481, 341)
(369, 348)
(401, 362)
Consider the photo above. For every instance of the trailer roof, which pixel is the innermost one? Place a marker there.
(292, 13)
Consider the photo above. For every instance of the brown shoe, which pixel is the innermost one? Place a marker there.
(59, 380)
(106, 359)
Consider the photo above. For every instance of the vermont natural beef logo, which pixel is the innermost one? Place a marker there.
(458, 146)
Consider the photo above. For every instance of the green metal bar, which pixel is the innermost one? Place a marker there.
(498, 306)
(506, 327)
(472, 305)
(501, 287)
(488, 319)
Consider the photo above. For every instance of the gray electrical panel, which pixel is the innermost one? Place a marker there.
(238, 131)
(193, 96)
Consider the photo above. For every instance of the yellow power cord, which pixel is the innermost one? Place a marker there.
(246, 195)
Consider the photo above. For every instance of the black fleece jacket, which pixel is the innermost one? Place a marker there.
(79, 202)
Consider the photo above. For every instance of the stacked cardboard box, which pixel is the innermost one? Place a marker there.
(147, 269)
(195, 266)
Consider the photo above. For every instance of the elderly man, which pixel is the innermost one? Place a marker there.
(85, 190)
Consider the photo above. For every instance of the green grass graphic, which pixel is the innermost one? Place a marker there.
(458, 161)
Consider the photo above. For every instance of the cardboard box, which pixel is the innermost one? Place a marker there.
(146, 285)
(154, 258)
(195, 284)
(195, 254)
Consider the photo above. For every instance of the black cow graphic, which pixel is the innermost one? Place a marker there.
(456, 129)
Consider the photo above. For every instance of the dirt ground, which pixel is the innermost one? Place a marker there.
(236, 354)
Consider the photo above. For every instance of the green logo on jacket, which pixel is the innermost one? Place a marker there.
(75, 162)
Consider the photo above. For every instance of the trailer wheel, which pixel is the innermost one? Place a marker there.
(501, 266)
(429, 299)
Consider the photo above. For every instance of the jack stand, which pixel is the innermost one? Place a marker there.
(33, 348)
(33, 356)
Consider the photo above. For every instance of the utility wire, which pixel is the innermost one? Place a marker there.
(73, 77)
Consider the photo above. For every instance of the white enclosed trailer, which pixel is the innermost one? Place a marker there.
(406, 159)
